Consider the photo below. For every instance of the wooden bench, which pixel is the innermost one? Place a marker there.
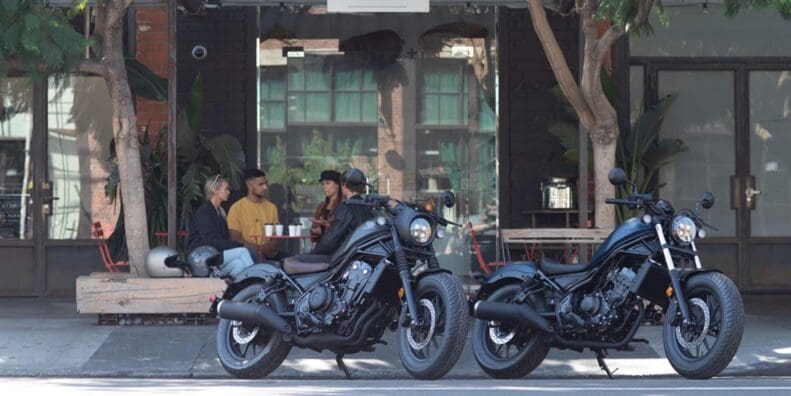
(118, 293)
(566, 237)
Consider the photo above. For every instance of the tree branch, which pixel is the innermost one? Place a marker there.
(558, 62)
(643, 10)
(607, 40)
(92, 67)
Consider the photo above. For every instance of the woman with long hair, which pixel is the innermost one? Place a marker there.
(325, 212)
(210, 227)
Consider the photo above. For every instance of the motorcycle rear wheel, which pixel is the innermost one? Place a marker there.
(249, 351)
(429, 351)
(704, 348)
(507, 351)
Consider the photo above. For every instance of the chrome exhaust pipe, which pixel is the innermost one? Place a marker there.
(253, 313)
(511, 313)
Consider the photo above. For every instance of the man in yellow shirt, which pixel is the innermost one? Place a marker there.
(248, 215)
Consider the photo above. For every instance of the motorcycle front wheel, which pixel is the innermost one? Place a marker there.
(703, 348)
(430, 349)
(251, 351)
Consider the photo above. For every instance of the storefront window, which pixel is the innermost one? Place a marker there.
(16, 128)
(78, 142)
(407, 98)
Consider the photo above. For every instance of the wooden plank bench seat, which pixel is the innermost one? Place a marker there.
(123, 294)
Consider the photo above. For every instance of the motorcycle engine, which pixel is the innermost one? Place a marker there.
(599, 309)
(325, 304)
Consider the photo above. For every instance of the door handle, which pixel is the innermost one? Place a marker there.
(749, 193)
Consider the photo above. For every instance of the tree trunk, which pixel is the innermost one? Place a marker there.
(603, 162)
(126, 140)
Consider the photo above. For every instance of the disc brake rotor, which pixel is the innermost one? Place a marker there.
(694, 343)
(498, 335)
(431, 319)
(241, 334)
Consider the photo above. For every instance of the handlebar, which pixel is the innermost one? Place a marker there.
(618, 201)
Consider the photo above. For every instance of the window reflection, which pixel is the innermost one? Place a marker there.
(16, 127)
(407, 98)
(78, 142)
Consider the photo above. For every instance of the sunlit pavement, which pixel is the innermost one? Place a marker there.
(97, 386)
(46, 338)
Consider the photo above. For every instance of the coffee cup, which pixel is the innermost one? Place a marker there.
(279, 229)
(269, 229)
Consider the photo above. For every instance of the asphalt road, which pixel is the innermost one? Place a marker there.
(195, 387)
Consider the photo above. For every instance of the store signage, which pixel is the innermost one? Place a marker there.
(377, 6)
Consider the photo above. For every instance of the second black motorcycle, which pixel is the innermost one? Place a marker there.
(648, 270)
(384, 276)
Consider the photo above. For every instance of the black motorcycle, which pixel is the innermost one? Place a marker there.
(385, 275)
(637, 275)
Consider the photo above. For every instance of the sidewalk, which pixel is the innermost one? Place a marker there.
(44, 337)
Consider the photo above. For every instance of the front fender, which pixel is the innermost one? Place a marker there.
(517, 272)
(687, 273)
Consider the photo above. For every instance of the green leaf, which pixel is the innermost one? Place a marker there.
(229, 155)
(144, 82)
(196, 103)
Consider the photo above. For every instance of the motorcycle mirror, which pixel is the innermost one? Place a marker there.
(448, 199)
(617, 177)
(707, 201)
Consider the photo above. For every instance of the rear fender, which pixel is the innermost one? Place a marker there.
(264, 273)
(517, 272)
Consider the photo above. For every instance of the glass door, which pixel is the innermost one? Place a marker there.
(767, 189)
(704, 118)
(18, 272)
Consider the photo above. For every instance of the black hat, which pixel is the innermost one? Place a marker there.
(354, 177)
(330, 175)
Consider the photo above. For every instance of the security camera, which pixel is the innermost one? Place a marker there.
(199, 52)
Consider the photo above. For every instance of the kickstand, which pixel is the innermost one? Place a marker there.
(342, 366)
(600, 355)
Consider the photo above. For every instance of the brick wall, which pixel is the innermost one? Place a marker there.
(152, 50)
(528, 151)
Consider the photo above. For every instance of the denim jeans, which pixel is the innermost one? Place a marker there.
(235, 261)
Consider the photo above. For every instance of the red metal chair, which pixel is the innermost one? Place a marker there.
(486, 266)
(104, 250)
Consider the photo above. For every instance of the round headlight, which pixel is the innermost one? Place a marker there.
(684, 229)
(420, 230)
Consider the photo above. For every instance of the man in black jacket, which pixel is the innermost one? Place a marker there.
(348, 215)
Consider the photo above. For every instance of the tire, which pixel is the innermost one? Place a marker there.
(725, 325)
(488, 342)
(444, 344)
(273, 350)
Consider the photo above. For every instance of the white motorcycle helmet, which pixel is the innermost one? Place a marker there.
(157, 260)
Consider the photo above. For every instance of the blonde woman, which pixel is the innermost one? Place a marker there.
(210, 227)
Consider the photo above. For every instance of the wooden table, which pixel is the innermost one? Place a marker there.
(570, 215)
(564, 237)
(260, 239)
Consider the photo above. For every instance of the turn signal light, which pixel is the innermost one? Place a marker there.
(401, 293)
(669, 291)
(212, 298)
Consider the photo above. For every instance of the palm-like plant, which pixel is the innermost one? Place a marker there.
(641, 152)
(198, 157)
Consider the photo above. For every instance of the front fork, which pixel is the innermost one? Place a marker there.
(406, 278)
(675, 277)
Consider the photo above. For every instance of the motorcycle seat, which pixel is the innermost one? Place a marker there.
(552, 267)
(306, 264)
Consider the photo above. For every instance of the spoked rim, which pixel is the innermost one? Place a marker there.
(247, 343)
(504, 342)
(426, 338)
(696, 340)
